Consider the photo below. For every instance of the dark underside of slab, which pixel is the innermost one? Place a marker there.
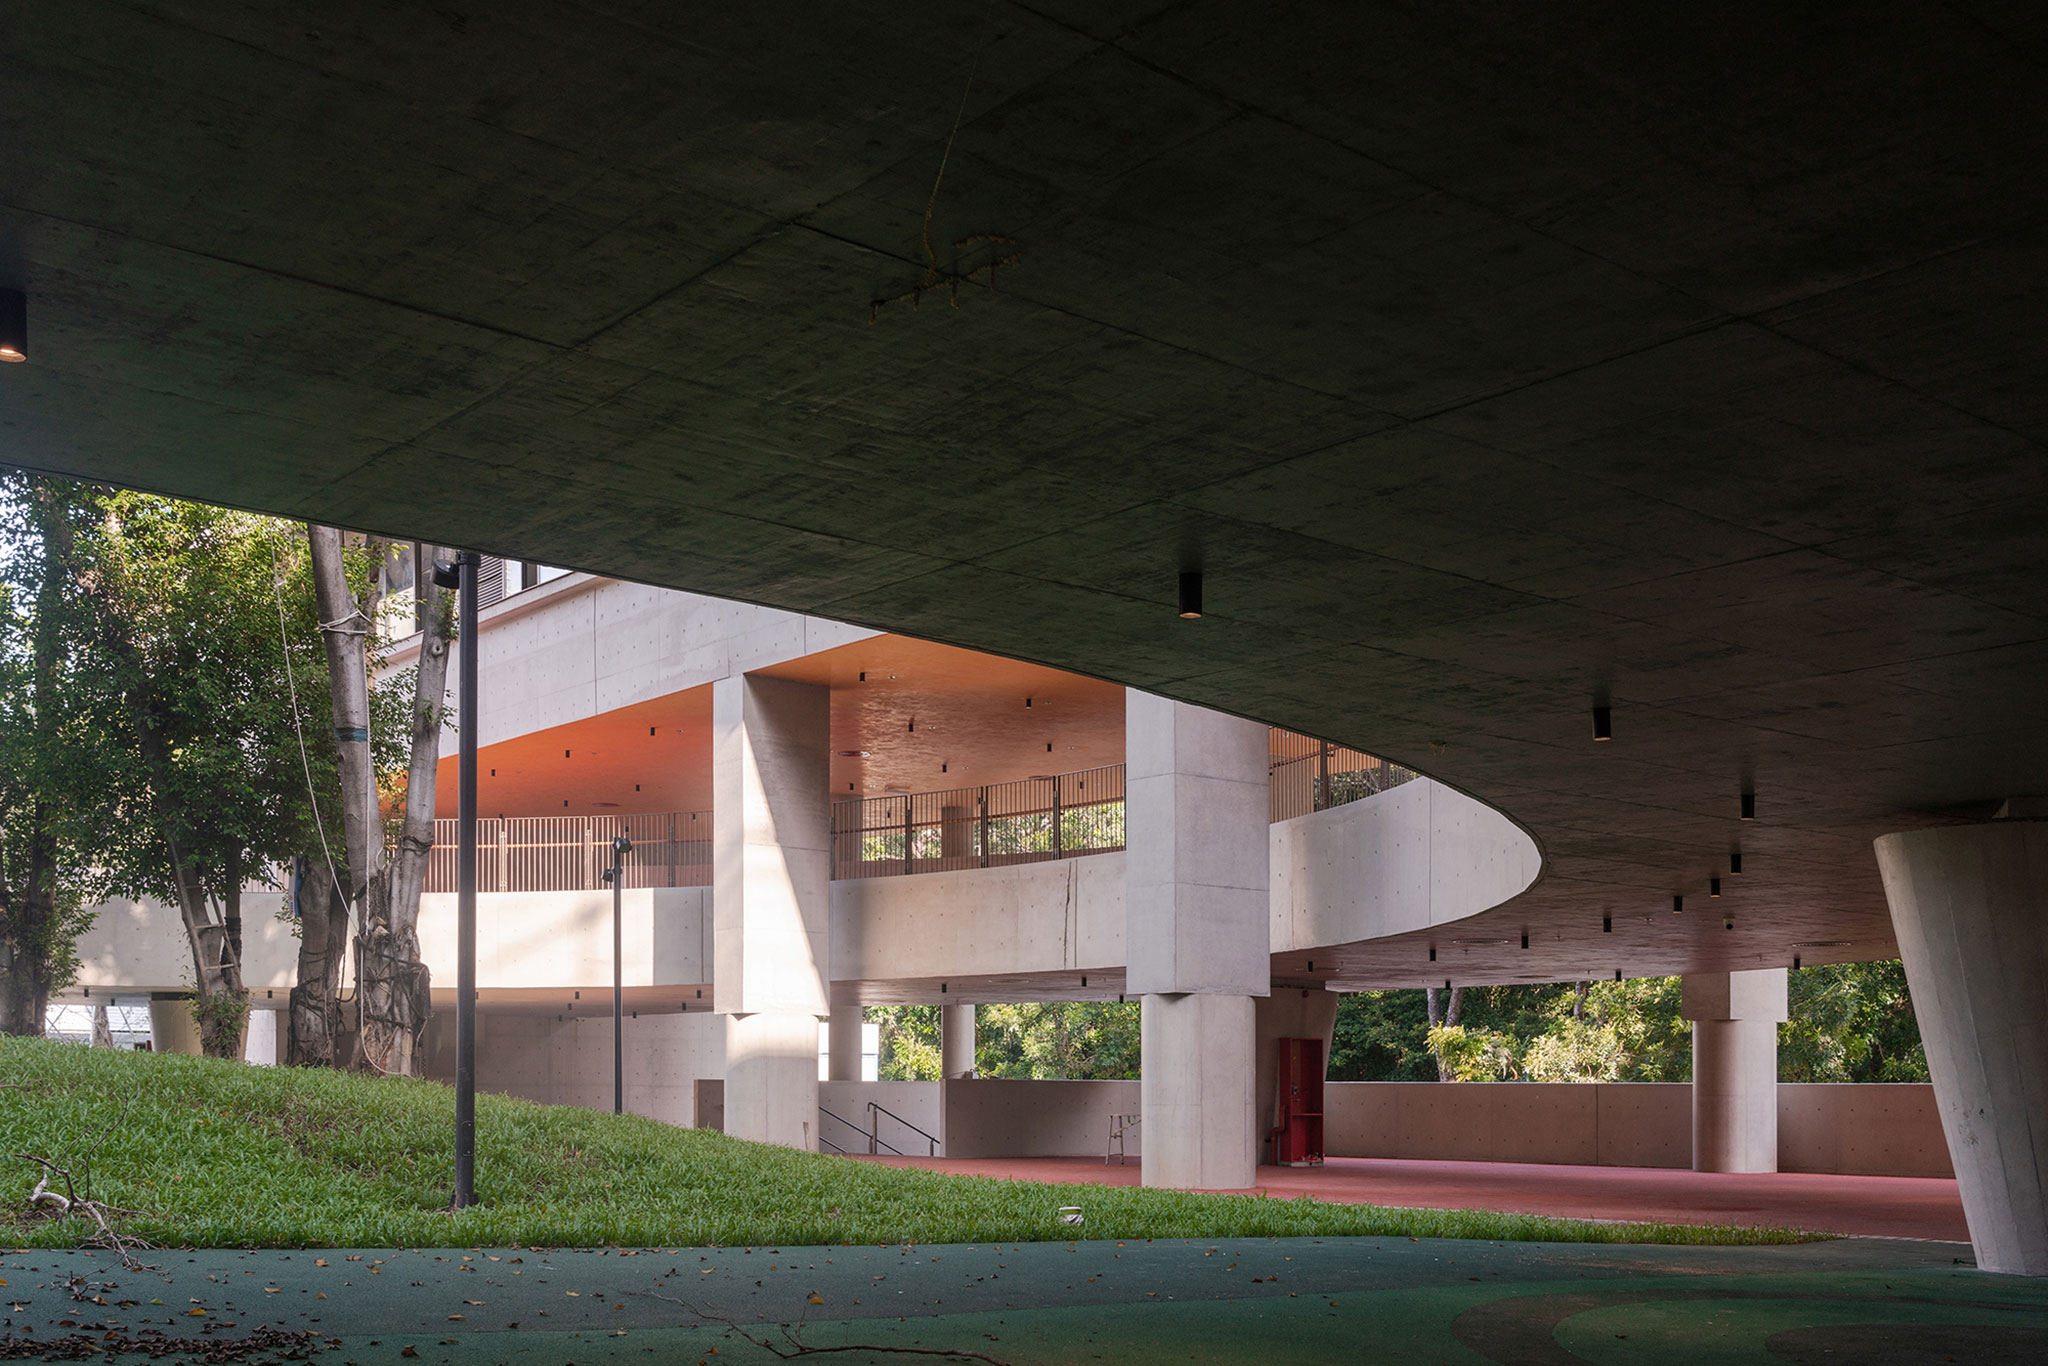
(1489, 360)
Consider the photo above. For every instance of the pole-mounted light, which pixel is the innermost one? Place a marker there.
(615, 875)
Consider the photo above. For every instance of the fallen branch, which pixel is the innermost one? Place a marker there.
(104, 1216)
(792, 1334)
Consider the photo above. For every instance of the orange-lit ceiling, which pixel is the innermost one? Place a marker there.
(907, 715)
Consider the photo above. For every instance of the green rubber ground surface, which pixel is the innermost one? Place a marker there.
(1280, 1301)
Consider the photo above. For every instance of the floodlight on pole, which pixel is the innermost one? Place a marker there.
(621, 846)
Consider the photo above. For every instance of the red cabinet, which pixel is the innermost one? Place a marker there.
(1297, 1132)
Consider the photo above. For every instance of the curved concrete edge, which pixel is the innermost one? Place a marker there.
(1970, 907)
(1414, 856)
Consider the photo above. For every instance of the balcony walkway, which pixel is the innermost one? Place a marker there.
(1870, 1206)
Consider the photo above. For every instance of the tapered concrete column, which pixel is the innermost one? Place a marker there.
(1196, 932)
(956, 1041)
(1970, 907)
(771, 900)
(843, 1043)
(1735, 1018)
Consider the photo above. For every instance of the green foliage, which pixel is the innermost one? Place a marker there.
(1475, 1053)
(221, 1155)
(1075, 1040)
(1851, 1022)
(909, 1041)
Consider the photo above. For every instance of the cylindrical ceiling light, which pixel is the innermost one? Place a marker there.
(1735, 862)
(1713, 886)
(1677, 904)
(13, 325)
(1603, 723)
(1190, 594)
(1749, 806)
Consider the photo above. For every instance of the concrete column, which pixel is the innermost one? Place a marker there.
(1196, 908)
(844, 1064)
(1970, 906)
(260, 1041)
(1289, 1013)
(171, 1026)
(956, 1041)
(1735, 1019)
(771, 900)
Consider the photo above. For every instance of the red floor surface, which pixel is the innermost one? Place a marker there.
(1875, 1206)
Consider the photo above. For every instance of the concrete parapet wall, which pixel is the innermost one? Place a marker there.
(1850, 1129)
(1864, 1130)
(996, 1118)
(917, 1102)
(564, 939)
(1053, 916)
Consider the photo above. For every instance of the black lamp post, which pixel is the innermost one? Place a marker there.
(621, 846)
(461, 576)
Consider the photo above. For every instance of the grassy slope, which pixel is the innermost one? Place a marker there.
(221, 1154)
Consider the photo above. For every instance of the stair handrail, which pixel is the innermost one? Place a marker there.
(874, 1106)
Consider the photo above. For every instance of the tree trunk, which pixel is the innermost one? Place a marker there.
(1444, 1013)
(392, 997)
(316, 1033)
(1579, 1001)
(28, 927)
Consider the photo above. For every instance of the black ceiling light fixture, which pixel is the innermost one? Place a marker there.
(1795, 962)
(1525, 939)
(1713, 886)
(1432, 953)
(1603, 721)
(1735, 862)
(13, 325)
(1607, 924)
(1748, 805)
(1617, 974)
(1190, 594)
(1678, 904)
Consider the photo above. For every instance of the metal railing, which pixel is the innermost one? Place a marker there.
(875, 1111)
(1307, 775)
(1053, 816)
(842, 1119)
(1069, 814)
(568, 853)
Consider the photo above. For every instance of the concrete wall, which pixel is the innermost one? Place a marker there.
(1869, 1130)
(993, 1118)
(569, 1061)
(1056, 915)
(578, 646)
(140, 945)
(564, 939)
(918, 1102)
(1864, 1130)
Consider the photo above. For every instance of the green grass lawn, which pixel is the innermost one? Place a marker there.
(218, 1154)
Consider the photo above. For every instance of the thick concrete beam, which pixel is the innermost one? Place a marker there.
(1735, 1018)
(1970, 906)
(956, 1041)
(1197, 894)
(771, 899)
